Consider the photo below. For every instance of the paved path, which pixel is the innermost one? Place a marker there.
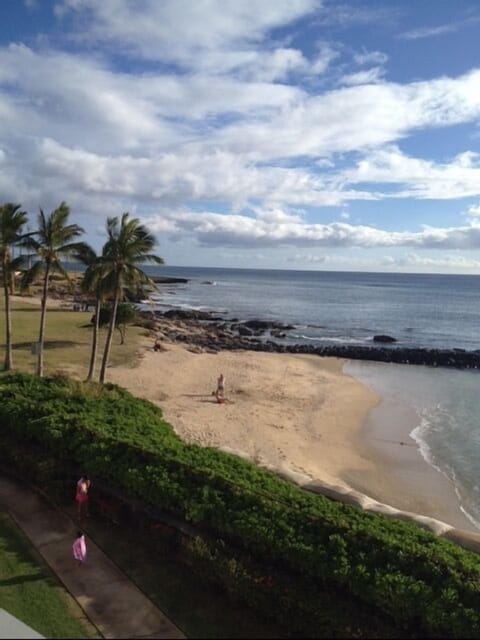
(112, 603)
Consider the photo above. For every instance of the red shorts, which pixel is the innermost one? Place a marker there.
(81, 498)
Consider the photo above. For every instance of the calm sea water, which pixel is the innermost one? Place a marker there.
(441, 311)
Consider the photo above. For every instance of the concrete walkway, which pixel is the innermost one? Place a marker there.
(112, 603)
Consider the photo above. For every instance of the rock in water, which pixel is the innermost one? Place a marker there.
(383, 338)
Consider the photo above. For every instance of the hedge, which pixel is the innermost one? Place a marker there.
(401, 572)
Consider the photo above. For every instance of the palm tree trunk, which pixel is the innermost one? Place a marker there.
(43, 314)
(8, 320)
(108, 343)
(93, 355)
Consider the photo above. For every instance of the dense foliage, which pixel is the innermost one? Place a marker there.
(424, 585)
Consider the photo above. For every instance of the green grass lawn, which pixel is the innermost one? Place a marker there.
(29, 591)
(67, 342)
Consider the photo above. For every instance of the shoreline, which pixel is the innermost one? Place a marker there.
(409, 481)
(402, 477)
(303, 417)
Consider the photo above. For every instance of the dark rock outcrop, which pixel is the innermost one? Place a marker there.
(187, 314)
(168, 280)
(264, 325)
(384, 338)
(201, 329)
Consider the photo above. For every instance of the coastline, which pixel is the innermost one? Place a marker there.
(301, 416)
(402, 477)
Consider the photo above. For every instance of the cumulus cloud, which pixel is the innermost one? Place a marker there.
(473, 211)
(214, 229)
(423, 178)
(227, 115)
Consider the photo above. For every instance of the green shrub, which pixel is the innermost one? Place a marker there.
(394, 568)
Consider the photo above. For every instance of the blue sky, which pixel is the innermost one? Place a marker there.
(302, 134)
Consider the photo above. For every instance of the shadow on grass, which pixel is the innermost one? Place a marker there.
(49, 344)
(36, 309)
(9, 582)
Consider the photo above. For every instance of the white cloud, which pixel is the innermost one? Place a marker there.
(422, 178)
(445, 262)
(306, 258)
(214, 229)
(440, 29)
(185, 32)
(370, 76)
(228, 115)
(473, 211)
(370, 57)
(356, 118)
(428, 32)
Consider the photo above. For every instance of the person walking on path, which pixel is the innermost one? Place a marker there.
(79, 548)
(81, 496)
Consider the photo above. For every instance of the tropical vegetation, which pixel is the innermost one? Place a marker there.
(51, 242)
(107, 277)
(319, 566)
(92, 284)
(129, 244)
(12, 221)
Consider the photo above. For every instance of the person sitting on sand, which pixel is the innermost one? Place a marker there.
(157, 346)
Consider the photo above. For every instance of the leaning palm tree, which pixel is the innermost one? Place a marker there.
(50, 243)
(93, 284)
(129, 244)
(11, 224)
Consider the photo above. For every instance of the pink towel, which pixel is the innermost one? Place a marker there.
(80, 549)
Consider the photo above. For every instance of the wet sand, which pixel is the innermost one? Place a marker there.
(401, 477)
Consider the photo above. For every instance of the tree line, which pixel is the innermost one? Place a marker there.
(106, 277)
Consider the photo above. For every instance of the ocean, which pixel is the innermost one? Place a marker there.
(440, 311)
(419, 310)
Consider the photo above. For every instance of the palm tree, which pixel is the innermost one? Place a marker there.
(92, 284)
(11, 223)
(52, 242)
(129, 244)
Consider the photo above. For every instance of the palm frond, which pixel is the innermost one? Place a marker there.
(17, 263)
(31, 275)
(85, 254)
(29, 242)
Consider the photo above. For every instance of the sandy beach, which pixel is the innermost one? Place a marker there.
(295, 412)
(287, 411)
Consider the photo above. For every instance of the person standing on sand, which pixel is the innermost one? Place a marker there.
(220, 392)
(81, 496)
(79, 548)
